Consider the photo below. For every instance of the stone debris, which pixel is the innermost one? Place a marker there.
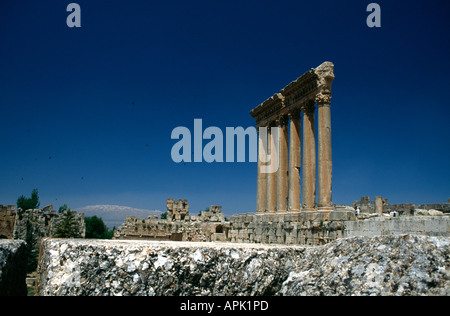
(389, 265)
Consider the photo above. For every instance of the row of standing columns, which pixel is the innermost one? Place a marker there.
(281, 191)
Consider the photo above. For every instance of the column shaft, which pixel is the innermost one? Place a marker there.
(309, 159)
(282, 177)
(324, 156)
(294, 163)
(261, 185)
(271, 189)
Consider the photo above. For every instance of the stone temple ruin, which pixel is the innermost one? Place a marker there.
(16, 224)
(288, 210)
(33, 225)
(288, 214)
(293, 112)
(177, 210)
(179, 225)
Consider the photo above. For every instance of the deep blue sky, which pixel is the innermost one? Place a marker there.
(69, 126)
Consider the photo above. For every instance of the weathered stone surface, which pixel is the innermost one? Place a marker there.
(417, 225)
(388, 265)
(177, 210)
(7, 219)
(88, 267)
(391, 265)
(435, 213)
(305, 228)
(12, 268)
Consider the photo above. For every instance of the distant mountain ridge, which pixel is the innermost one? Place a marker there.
(115, 215)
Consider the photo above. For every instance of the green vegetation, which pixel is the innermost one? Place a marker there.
(29, 203)
(68, 225)
(63, 208)
(96, 228)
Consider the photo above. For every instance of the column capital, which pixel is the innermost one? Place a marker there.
(323, 99)
(309, 107)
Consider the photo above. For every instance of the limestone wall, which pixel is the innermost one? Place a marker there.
(387, 265)
(12, 268)
(418, 225)
(316, 228)
(367, 206)
(190, 229)
(306, 228)
(7, 219)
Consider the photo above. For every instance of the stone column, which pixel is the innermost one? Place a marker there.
(294, 162)
(309, 158)
(271, 185)
(379, 205)
(324, 163)
(261, 185)
(282, 173)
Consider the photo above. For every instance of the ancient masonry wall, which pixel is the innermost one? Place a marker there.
(37, 224)
(178, 226)
(316, 228)
(381, 226)
(306, 228)
(7, 219)
(165, 230)
(368, 206)
(387, 265)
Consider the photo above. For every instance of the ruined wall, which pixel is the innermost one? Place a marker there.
(443, 207)
(7, 219)
(179, 226)
(12, 268)
(315, 228)
(367, 206)
(190, 229)
(388, 265)
(306, 228)
(41, 223)
(418, 225)
(33, 225)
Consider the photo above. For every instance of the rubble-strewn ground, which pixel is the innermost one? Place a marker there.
(388, 265)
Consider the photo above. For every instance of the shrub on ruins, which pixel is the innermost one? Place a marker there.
(29, 203)
(68, 226)
(63, 208)
(96, 228)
